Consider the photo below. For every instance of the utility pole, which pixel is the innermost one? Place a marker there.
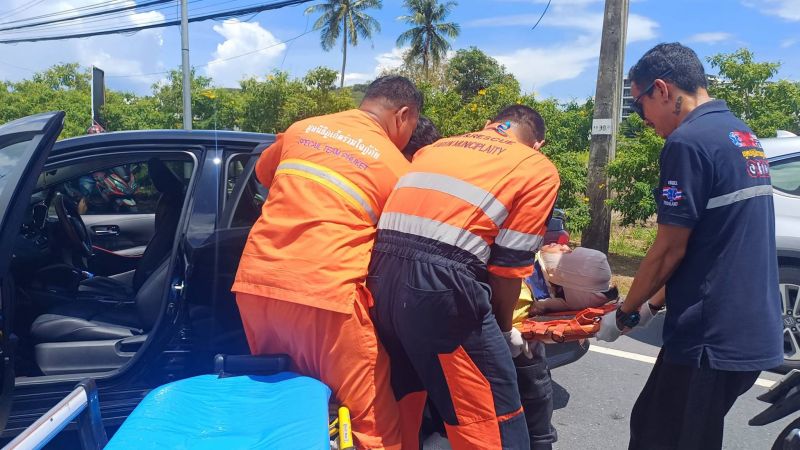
(187, 79)
(607, 106)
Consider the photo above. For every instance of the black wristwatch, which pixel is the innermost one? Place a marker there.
(627, 320)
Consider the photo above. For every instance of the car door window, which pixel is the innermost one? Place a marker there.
(236, 167)
(122, 189)
(10, 158)
(785, 175)
(248, 206)
(118, 190)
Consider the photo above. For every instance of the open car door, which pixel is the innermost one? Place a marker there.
(24, 146)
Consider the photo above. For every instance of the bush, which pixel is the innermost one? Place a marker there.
(634, 172)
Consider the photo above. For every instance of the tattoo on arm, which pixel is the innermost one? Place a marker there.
(678, 104)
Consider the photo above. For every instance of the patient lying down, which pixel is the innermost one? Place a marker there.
(570, 280)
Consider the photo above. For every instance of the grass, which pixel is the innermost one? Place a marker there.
(626, 248)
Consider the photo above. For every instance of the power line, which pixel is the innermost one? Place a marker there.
(14, 11)
(542, 16)
(17, 67)
(104, 21)
(84, 16)
(103, 18)
(161, 24)
(65, 12)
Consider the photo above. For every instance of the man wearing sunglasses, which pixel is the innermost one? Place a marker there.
(713, 262)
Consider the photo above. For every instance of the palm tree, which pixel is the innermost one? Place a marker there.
(429, 33)
(345, 18)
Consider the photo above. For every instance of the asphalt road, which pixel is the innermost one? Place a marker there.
(594, 397)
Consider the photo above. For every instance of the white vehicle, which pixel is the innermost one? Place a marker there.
(784, 159)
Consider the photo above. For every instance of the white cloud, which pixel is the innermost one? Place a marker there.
(261, 46)
(384, 61)
(710, 38)
(786, 43)
(535, 67)
(538, 66)
(390, 60)
(641, 28)
(785, 9)
(357, 77)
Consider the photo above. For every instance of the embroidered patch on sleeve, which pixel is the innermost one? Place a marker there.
(671, 194)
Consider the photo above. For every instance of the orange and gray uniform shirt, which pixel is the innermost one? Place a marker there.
(482, 192)
(328, 179)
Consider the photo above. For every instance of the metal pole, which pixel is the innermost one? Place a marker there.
(608, 100)
(187, 86)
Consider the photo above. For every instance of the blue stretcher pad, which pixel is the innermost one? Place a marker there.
(282, 411)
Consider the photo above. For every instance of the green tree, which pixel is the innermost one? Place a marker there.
(271, 105)
(752, 93)
(348, 19)
(472, 70)
(322, 94)
(63, 87)
(429, 32)
(634, 172)
(126, 111)
(265, 102)
(567, 145)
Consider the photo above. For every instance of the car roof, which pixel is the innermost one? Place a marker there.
(164, 136)
(778, 147)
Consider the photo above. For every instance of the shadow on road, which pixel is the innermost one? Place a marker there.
(560, 396)
(652, 334)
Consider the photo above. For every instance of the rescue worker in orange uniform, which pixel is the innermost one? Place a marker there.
(300, 286)
(455, 240)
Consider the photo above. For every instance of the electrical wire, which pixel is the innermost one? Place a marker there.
(102, 18)
(16, 66)
(84, 16)
(161, 24)
(65, 12)
(542, 16)
(104, 21)
(14, 11)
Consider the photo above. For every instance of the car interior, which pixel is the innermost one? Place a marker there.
(91, 261)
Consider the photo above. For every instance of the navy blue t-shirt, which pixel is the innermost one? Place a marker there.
(723, 299)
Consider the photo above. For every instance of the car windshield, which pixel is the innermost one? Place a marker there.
(11, 159)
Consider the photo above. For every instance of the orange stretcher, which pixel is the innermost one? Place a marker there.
(571, 326)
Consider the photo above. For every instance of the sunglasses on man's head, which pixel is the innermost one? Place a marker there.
(636, 105)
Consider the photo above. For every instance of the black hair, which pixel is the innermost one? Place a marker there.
(680, 63)
(525, 117)
(425, 134)
(396, 90)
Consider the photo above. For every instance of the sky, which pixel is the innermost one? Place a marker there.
(557, 59)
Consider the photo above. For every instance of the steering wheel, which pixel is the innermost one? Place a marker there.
(71, 223)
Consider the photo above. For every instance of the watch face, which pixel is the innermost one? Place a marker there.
(632, 319)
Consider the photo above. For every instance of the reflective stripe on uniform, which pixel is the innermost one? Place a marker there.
(737, 196)
(516, 240)
(439, 231)
(333, 181)
(470, 193)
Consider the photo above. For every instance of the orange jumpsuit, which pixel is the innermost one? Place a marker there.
(469, 206)
(300, 286)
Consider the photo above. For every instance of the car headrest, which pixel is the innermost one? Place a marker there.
(163, 178)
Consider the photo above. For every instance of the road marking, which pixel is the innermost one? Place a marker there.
(763, 382)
